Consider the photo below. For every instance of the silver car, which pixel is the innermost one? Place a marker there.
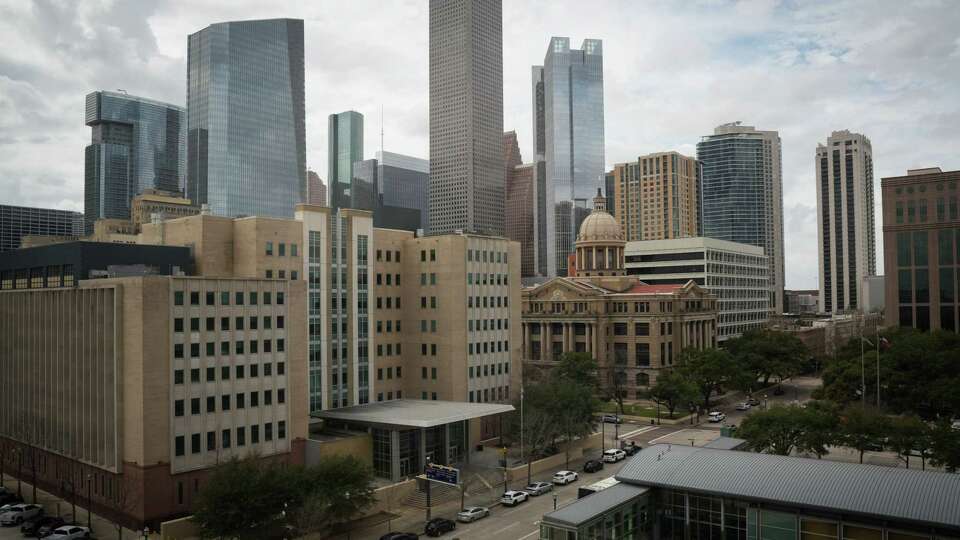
(538, 488)
(18, 513)
(472, 513)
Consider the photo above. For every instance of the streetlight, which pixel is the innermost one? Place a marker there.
(146, 533)
(764, 402)
(89, 503)
(554, 501)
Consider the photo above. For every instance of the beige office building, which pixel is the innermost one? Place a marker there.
(658, 197)
(130, 389)
(633, 329)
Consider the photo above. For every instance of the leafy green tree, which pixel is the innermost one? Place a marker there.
(945, 447)
(777, 430)
(574, 404)
(709, 370)
(673, 390)
(344, 484)
(233, 504)
(768, 353)
(907, 434)
(821, 425)
(862, 429)
(579, 367)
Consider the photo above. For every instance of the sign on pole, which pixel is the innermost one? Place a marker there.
(446, 475)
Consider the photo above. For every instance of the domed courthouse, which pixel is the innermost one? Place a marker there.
(631, 328)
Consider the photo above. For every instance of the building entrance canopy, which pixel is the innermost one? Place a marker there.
(412, 413)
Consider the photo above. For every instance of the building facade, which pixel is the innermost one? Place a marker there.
(316, 190)
(658, 197)
(344, 148)
(631, 328)
(743, 194)
(146, 383)
(802, 302)
(521, 204)
(136, 144)
(568, 123)
(395, 187)
(246, 140)
(466, 116)
(153, 203)
(735, 274)
(921, 239)
(19, 221)
(845, 220)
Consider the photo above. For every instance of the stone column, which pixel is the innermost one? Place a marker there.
(394, 455)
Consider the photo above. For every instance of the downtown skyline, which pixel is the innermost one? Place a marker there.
(897, 83)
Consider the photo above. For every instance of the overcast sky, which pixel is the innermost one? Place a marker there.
(672, 70)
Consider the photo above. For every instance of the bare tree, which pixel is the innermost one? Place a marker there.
(124, 502)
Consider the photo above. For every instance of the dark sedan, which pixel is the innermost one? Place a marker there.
(438, 526)
(44, 523)
(592, 465)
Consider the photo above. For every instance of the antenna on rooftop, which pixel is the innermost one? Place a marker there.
(381, 131)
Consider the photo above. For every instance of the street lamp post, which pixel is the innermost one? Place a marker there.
(146, 533)
(89, 502)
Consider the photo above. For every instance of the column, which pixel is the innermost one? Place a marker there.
(597, 351)
(394, 455)
(547, 345)
(446, 445)
(423, 450)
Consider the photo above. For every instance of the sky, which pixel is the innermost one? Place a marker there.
(672, 72)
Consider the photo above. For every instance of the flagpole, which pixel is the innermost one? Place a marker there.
(878, 363)
(863, 375)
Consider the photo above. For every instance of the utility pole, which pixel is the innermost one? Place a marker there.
(863, 376)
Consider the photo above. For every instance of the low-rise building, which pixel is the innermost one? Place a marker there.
(736, 274)
(673, 491)
(633, 329)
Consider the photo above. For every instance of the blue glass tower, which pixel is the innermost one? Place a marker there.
(136, 144)
(246, 146)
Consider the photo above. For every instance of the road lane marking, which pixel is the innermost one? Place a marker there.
(529, 535)
(667, 435)
(498, 531)
(638, 431)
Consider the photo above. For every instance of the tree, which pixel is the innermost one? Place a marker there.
(906, 435)
(945, 447)
(862, 429)
(574, 405)
(709, 370)
(768, 353)
(615, 389)
(820, 428)
(778, 430)
(578, 367)
(232, 503)
(124, 502)
(672, 390)
(344, 484)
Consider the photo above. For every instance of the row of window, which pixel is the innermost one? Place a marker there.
(490, 369)
(389, 372)
(391, 303)
(480, 325)
(391, 279)
(389, 325)
(396, 255)
(226, 439)
(238, 401)
(240, 372)
(282, 274)
(477, 278)
(487, 395)
(210, 298)
(238, 348)
(478, 255)
(389, 349)
(583, 307)
(281, 249)
(390, 395)
(251, 323)
(488, 347)
(488, 301)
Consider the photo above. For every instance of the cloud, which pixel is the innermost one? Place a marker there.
(673, 71)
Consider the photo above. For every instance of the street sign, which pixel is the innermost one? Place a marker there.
(446, 475)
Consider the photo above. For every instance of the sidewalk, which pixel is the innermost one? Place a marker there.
(55, 506)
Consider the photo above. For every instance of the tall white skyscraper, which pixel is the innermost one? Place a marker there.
(845, 220)
(742, 190)
(466, 116)
(568, 137)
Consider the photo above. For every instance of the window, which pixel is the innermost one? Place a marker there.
(254, 434)
(179, 445)
(280, 298)
(254, 399)
(283, 249)
(194, 298)
(211, 404)
(178, 324)
(178, 350)
(269, 249)
(224, 299)
(281, 395)
(280, 321)
(282, 429)
(210, 322)
(293, 250)
(225, 438)
(178, 407)
(195, 405)
(239, 372)
(195, 324)
(178, 376)
(268, 432)
(224, 403)
(211, 441)
(268, 397)
(238, 299)
(241, 402)
(211, 374)
(195, 443)
(178, 298)
(242, 435)
(195, 375)
(224, 323)
(211, 298)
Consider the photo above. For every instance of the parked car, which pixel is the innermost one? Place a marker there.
(631, 448)
(592, 465)
(17, 514)
(438, 526)
(611, 419)
(538, 488)
(717, 416)
(562, 478)
(753, 401)
(614, 455)
(400, 536)
(743, 406)
(69, 532)
(44, 524)
(513, 498)
(472, 513)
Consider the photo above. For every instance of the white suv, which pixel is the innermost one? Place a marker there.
(717, 416)
(513, 498)
(19, 513)
(614, 455)
(562, 478)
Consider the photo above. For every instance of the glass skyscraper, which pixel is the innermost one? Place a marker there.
(743, 193)
(569, 137)
(395, 187)
(344, 148)
(246, 152)
(136, 144)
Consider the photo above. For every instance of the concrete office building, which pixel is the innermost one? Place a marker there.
(743, 194)
(140, 385)
(633, 329)
(155, 204)
(521, 205)
(802, 302)
(466, 116)
(246, 141)
(569, 136)
(734, 273)
(921, 254)
(136, 144)
(395, 187)
(19, 221)
(316, 190)
(344, 148)
(672, 492)
(845, 220)
(657, 197)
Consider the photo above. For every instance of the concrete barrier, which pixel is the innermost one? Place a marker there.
(179, 529)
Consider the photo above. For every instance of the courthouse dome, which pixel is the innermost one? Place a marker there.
(600, 225)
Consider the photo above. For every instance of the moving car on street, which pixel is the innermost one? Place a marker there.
(562, 478)
(538, 488)
(743, 406)
(614, 455)
(472, 513)
(438, 526)
(611, 419)
(592, 465)
(717, 416)
(513, 498)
